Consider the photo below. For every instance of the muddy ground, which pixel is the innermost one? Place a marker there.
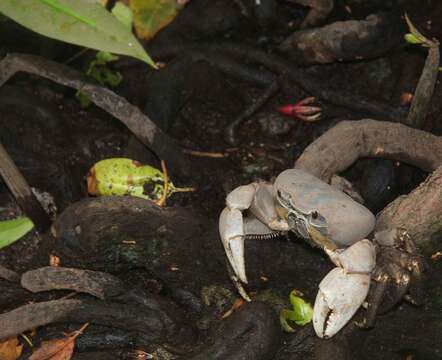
(178, 256)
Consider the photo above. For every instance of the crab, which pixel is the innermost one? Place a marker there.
(330, 219)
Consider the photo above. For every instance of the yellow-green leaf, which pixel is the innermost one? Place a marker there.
(121, 176)
(150, 16)
(12, 230)
(301, 314)
(410, 38)
(415, 32)
(81, 22)
(124, 14)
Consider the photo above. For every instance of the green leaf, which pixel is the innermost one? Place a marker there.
(410, 38)
(121, 176)
(284, 316)
(124, 14)
(301, 314)
(12, 230)
(415, 32)
(81, 22)
(303, 311)
(150, 16)
(103, 57)
(83, 99)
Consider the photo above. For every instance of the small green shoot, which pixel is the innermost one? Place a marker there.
(98, 69)
(301, 314)
(415, 36)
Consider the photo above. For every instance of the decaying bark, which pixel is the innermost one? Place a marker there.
(148, 323)
(319, 11)
(425, 88)
(420, 212)
(22, 192)
(95, 283)
(255, 324)
(349, 141)
(136, 121)
(9, 275)
(344, 40)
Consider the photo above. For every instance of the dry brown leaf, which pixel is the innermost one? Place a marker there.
(54, 260)
(236, 305)
(57, 349)
(10, 349)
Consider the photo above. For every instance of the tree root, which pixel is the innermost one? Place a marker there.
(230, 132)
(424, 90)
(146, 322)
(257, 327)
(349, 141)
(419, 212)
(95, 283)
(344, 40)
(9, 275)
(136, 121)
(320, 9)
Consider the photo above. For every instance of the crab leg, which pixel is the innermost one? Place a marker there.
(258, 198)
(231, 227)
(344, 288)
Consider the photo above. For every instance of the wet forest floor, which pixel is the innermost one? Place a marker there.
(175, 254)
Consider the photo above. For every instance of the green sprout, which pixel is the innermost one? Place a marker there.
(301, 314)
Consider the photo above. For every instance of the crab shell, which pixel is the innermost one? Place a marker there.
(347, 220)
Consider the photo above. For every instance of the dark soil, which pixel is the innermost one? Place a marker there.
(54, 142)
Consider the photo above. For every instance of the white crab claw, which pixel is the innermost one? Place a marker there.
(231, 230)
(340, 296)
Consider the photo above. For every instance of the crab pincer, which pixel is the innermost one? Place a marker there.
(343, 289)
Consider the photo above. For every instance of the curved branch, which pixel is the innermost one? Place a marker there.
(135, 120)
(349, 141)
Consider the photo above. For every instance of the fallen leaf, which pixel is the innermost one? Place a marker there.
(121, 176)
(57, 349)
(236, 305)
(10, 349)
(54, 260)
(150, 16)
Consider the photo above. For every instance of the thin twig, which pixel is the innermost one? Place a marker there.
(162, 201)
(215, 155)
(230, 132)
